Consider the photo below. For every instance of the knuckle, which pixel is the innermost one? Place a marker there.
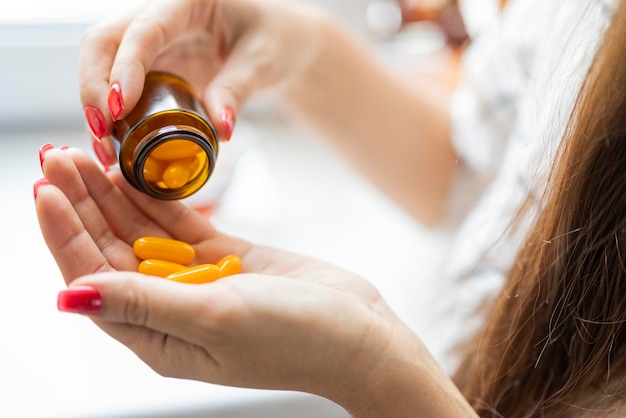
(135, 309)
(165, 369)
(96, 35)
(238, 92)
(91, 35)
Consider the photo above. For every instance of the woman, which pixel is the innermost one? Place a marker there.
(553, 342)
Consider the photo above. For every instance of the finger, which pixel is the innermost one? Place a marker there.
(175, 218)
(165, 353)
(124, 219)
(181, 222)
(235, 83)
(189, 312)
(69, 242)
(97, 54)
(61, 171)
(114, 212)
(147, 35)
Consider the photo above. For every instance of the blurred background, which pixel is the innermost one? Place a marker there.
(268, 188)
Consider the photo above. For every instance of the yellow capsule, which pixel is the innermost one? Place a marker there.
(229, 265)
(176, 149)
(203, 273)
(178, 173)
(164, 249)
(198, 164)
(159, 268)
(153, 169)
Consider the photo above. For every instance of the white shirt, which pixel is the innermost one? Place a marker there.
(519, 83)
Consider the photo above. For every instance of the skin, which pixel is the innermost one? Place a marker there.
(396, 131)
(287, 322)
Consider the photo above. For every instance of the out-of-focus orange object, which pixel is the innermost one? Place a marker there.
(445, 13)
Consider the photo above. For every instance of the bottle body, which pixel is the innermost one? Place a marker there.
(167, 147)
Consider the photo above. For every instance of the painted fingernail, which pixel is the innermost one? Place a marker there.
(64, 147)
(96, 122)
(84, 300)
(38, 184)
(42, 151)
(100, 151)
(228, 121)
(115, 101)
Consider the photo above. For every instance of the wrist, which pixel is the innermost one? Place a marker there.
(402, 380)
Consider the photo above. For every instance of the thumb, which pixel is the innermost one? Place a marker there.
(160, 305)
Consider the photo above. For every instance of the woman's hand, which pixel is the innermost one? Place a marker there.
(228, 50)
(286, 322)
(396, 131)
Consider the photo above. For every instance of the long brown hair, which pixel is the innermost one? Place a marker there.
(560, 342)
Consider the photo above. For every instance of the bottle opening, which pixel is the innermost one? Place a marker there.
(175, 165)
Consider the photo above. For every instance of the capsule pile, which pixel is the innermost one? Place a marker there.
(169, 259)
(173, 164)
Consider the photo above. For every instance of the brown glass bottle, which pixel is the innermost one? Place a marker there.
(167, 147)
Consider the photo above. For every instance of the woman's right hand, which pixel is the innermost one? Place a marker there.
(228, 50)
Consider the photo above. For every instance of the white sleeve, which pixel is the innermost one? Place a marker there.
(495, 75)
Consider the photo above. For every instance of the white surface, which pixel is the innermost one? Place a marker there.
(286, 191)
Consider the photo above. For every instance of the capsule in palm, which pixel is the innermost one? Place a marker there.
(159, 268)
(164, 249)
(203, 273)
(229, 265)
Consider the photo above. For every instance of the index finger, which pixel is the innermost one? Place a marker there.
(97, 53)
(73, 249)
(150, 33)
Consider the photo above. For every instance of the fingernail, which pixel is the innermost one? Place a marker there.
(228, 121)
(80, 299)
(38, 184)
(100, 151)
(115, 101)
(96, 122)
(42, 151)
(64, 147)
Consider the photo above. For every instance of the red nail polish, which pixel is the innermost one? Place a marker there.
(64, 147)
(115, 101)
(38, 184)
(42, 151)
(100, 151)
(228, 121)
(80, 299)
(95, 121)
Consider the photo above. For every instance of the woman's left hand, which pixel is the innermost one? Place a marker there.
(287, 322)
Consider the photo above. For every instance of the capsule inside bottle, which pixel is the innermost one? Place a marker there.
(175, 166)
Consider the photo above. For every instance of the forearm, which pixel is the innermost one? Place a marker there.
(395, 131)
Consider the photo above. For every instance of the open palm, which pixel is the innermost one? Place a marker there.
(242, 330)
